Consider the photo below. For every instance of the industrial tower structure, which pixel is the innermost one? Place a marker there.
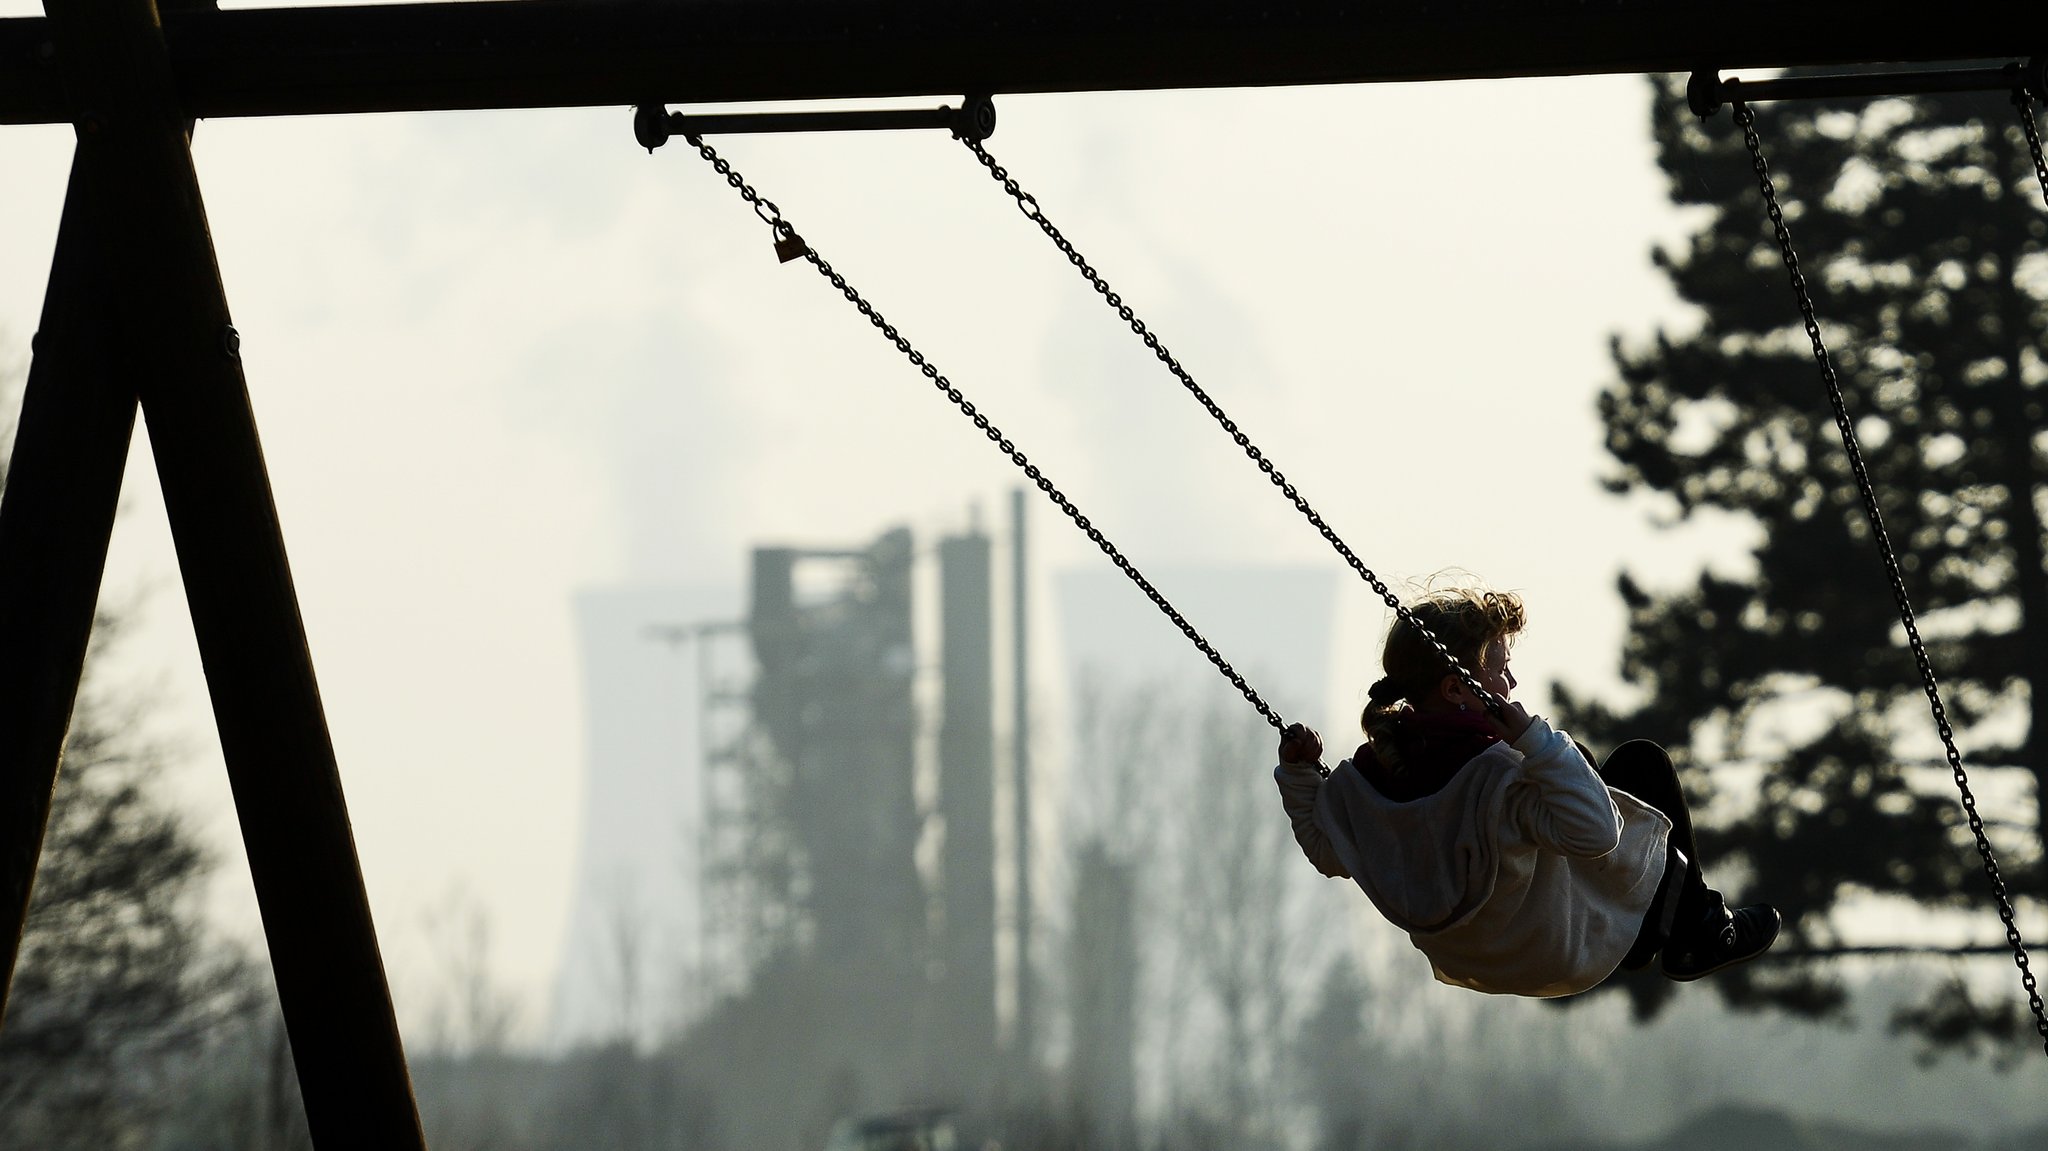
(829, 880)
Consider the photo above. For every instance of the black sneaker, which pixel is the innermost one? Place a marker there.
(1743, 934)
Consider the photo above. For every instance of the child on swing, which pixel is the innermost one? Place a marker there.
(1510, 861)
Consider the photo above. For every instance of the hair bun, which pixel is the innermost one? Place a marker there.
(1383, 690)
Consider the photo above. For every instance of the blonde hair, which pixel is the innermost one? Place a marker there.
(1466, 620)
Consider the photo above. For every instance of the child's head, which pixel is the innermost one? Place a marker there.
(1475, 624)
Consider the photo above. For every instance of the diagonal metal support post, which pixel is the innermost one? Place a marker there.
(137, 310)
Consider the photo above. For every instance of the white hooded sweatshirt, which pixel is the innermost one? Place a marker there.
(1523, 875)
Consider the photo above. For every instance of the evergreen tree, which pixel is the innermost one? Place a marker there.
(1921, 230)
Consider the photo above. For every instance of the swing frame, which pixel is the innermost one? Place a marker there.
(136, 316)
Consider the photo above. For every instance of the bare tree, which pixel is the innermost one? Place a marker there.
(240, 1088)
(1237, 937)
(625, 930)
(466, 1083)
(1124, 738)
(472, 1015)
(1177, 828)
(1339, 1063)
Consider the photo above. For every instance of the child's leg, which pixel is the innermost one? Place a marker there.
(1688, 920)
(1644, 770)
(1663, 912)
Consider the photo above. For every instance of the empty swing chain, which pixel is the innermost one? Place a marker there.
(1746, 120)
(791, 246)
(1028, 204)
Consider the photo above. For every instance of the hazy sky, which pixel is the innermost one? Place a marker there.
(497, 357)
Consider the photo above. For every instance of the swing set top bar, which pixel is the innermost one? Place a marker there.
(567, 53)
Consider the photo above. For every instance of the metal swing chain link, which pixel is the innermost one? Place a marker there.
(1028, 204)
(1746, 120)
(786, 233)
(2025, 104)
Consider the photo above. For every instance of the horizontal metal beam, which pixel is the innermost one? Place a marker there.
(975, 119)
(1708, 92)
(563, 53)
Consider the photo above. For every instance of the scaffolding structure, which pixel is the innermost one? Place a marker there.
(735, 927)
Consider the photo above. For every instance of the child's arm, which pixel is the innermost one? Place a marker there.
(1570, 810)
(1300, 779)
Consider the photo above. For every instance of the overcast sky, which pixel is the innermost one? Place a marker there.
(497, 357)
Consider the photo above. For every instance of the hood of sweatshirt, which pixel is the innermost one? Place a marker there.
(1429, 748)
(1428, 863)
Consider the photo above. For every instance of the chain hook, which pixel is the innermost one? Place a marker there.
(1703, 93)
(976, 119)
(651, 126)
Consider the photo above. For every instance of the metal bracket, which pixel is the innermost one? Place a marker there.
(975, 119)
(1706, 92)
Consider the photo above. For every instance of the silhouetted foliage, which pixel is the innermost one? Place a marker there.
(1921, 230)
(108, 984)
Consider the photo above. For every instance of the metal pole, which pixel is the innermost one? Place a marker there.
(975, 119)
(1020, 776)
(1707, 92)
(967, 803)
(167, 330)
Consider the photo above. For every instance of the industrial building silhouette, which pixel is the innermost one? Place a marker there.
(834, 975)
(847, 948)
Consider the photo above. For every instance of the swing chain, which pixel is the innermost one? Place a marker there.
(784, 231)
(1028, 204)
(2025, 104)
(1746, 120)
(762, 206)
